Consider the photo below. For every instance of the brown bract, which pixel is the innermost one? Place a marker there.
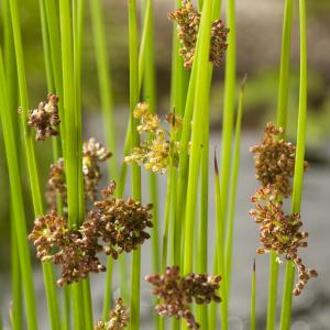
(188, 21)
(45, 119)
(177, 292)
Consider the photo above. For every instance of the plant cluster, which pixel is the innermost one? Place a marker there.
(188, 21)
(177, 292)
(120, 224)
(93, 154)
(113, 226)
(279, 232)
(118, 318)
(45, 118)
(156, 150)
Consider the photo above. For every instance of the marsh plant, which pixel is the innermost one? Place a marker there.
(83, 227)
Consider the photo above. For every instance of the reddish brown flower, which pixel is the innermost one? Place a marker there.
(280, 232)
(120, 224)
(188, 21)
(45, 119)
(275, 160)
(177, 292)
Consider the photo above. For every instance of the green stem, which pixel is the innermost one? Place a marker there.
(105, 85)
(298, 178)
(220, 251)
(283, 91)
(17, 199)
(136, 174)
(233, 190)
(201, 102)
(107, 290)
(31, 159)
(16, 286)
(272, 291)
(150, 97)
(70, 47)
(283, 88)
(229, 104)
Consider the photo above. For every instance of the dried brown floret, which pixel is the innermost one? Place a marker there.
(118, 318)
(56, 184)
(45, 119)
(48, 230)
(188, 21)
(177, 292)
(93, 153)
(120, 224)
(275, 160)
(77, 257)
(280, 232)
(156, 150)
(73, 251)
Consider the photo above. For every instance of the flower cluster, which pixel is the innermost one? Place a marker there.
(73, 251)
(177, 292)
(156, 150)
(275, 160)
(112, 226)
(118, 318)
(56, 184)
(188, 21)
(93, 154)
(45, 119)
(120, 224)
(279, 232)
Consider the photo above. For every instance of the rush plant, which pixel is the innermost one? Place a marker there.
(79, 220)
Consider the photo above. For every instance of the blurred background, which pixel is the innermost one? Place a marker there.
(259, 25)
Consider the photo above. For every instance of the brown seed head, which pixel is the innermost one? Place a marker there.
(45, 119)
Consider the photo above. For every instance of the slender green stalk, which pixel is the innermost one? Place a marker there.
(72, 127)
(17, 199)
(136, 174)
(53, 27)
(272, 291)
(31, 158)
(299, 162)
(283, 88)
(253, 323)
(229, 103)
(66, 321)
(78, 32)
(16, 310)
(201, 102)
(281, 122)
(107, 290)
(105, 85)
(168, 215)
(150, 97)
(180, 76)
(220, 251)
(202, 248)
(233, 189)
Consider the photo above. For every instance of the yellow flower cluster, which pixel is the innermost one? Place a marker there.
(156, 150)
